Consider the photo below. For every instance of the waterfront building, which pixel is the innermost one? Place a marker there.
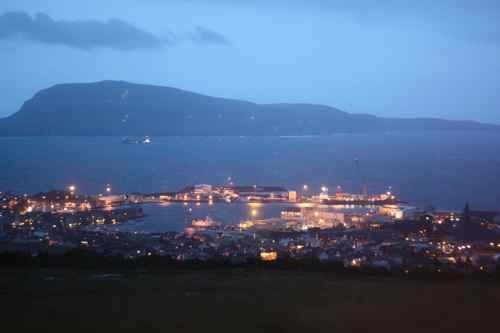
(398, 212)
(203, 189)
(112, 199)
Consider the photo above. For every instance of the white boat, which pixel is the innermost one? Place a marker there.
(206, 223)
(145, 140)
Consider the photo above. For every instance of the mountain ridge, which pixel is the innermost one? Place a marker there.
(120, 108)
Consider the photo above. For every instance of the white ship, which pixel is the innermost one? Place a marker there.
(204, 223)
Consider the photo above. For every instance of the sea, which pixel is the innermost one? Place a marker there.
(443, 170)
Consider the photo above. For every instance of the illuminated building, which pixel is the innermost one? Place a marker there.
(112, 199)
(203, 188)
(398, 212)
(291, 213)
(269, 256)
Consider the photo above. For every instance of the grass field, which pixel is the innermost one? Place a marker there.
(241, 300)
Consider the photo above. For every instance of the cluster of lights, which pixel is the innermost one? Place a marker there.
(463, 247)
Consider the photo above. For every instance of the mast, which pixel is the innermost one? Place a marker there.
(364, 186)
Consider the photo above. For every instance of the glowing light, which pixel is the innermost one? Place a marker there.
(355, 263)
(246, 225)
(72, 188)
(269, 256)
(324, 189)
(254, 212)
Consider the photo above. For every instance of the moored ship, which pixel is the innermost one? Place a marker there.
(145, 140)
(204, 223)
(341, 198)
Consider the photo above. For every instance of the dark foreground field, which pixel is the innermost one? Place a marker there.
(241, 300)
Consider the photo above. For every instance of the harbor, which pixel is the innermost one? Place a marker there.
(228, 204)
(241, 224)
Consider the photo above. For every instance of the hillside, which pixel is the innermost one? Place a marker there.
(241, 300)
(126, 109)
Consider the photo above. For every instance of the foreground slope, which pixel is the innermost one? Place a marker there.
(126, 109)
(241, 300)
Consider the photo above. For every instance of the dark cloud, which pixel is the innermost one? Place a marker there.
(113, 33)
(207, 36)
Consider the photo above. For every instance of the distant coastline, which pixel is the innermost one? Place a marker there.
(116, 108)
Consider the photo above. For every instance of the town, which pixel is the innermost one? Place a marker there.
(354, 231)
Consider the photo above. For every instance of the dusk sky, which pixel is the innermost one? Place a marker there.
(389, 58)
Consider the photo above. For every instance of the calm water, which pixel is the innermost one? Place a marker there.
(444, 170)
(177, 216)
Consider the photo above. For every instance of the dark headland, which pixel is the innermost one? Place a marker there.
(115, 108)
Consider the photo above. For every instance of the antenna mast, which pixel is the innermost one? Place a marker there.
(364, 186)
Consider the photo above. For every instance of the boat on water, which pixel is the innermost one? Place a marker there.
(145, 140)
(360, 202)
(360, 199)
(204, 223)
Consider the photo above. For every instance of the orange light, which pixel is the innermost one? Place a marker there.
(269, 256)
